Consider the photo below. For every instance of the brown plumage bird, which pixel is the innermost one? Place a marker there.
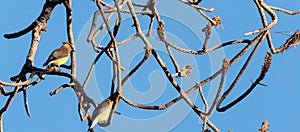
(101, 114)
(60, 55)
(185, 71)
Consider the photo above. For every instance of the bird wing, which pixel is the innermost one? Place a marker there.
(59, 53)
(56, 54)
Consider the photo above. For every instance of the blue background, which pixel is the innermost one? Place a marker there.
(278, 102)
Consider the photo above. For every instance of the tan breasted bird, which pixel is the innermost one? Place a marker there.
(60, 55)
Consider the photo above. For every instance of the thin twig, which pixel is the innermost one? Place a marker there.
(240, 73)
(195, 5)
(92, 68)
(175, 84)
(205, 106)
(114, 42)
(163, 38)
(9, 100)
(271, 24)
(60, 88)
(92, 35)
(127, 40)
(137, 26)
(175, 64)
(265, 68)
(224, 72)
(285, 11)
(26, 103)
(145, 58)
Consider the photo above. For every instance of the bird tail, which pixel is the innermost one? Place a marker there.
(46, 63)
(93, 124)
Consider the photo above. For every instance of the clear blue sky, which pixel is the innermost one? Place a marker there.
(278, 102)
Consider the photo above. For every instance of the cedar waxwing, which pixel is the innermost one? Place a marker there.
(60, 55)
(185, 71)
(101, 113)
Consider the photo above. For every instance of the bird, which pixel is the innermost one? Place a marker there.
(101, 113)
(60, 56)
(184, 72)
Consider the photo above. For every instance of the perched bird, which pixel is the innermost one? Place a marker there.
(101, 113)
(60, 55)
(185, 71)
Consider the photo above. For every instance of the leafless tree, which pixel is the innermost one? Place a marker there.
(121, 7)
